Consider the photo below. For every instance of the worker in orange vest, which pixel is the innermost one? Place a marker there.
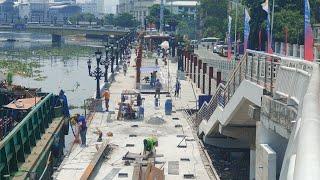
(106, 96)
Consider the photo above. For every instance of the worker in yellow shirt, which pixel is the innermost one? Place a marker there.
(106, 96)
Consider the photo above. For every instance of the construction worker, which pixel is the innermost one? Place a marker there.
(177, 89)
(106, 96)
(149, 145)
(125, 68)
(82, 124)
(158, 87)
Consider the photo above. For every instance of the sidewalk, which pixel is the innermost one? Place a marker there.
(170, 130)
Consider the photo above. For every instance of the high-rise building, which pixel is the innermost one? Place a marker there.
(140, 8)
(95, 7)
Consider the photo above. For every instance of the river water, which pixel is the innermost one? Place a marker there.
(69, 74)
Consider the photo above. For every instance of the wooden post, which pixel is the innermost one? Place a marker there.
(210, 78)
(204, 67)
(199, 73)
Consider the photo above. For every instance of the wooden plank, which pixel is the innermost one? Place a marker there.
(136, 172)
(104, 149)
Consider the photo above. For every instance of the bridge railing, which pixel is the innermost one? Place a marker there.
(258, 67)
(15, 147)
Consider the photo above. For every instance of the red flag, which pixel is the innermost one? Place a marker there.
(308, 34)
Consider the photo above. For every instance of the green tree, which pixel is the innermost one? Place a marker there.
(154, 17)
(214, 15)
(109, 19)
(125, 20)
(89, 17)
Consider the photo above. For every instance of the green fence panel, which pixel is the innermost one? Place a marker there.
(15, 147)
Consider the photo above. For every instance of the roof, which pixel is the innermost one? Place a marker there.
(26, 103)
(182, 3)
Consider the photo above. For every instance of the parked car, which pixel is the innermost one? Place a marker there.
(217, 48)
(194, 43)
(209, 41)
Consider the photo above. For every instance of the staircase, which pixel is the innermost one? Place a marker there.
(296, 83)
(257, 67)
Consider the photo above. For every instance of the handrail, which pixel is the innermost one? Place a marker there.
(261, 68)
(307, 162)
(25, 120)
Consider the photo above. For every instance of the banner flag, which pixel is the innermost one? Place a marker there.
(308, 34)
(265, 7)
(229, 38)
(246, 29)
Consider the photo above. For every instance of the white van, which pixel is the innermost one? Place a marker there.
(209, 41)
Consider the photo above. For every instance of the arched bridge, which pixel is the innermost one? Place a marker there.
(270, 105)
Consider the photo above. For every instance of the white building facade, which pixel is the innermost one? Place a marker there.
(140, 8)
(95, 7)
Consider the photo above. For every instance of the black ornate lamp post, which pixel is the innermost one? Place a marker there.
(106, 62)
(180, 58)
(117, 53)
(112, 58)
(97, 73)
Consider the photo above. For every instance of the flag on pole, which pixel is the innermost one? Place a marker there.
(308, 34)
(229, 38)
(286, 41)
(265, 7)
(246, 29)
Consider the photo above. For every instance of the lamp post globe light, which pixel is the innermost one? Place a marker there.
(106, 62)
(97, 73)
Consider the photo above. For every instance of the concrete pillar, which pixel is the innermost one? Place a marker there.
(289, 49)
(276, 47)
(191, 65)
(252, 163)
(219, 78)
(204, 72)
(199, 74)
(315, 52)
(295, 50)
(276, 143)
(56, 39)
(195, 69)
(301, 51)
(210, 78)
(186, 62)
(282, 48)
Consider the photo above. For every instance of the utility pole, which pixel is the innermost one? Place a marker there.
(161, 16)
(272, 19)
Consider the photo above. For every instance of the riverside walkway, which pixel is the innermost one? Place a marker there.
(180, 154)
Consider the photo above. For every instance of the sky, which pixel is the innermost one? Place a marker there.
(111, 5)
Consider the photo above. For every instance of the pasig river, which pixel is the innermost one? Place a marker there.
(63, 67)
(37, 63)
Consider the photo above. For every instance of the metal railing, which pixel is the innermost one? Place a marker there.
(258, 67)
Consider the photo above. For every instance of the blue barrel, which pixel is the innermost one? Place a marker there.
(141, 112)
(168, 107)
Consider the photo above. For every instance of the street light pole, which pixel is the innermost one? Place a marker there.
(112, 58)
(97, 73)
